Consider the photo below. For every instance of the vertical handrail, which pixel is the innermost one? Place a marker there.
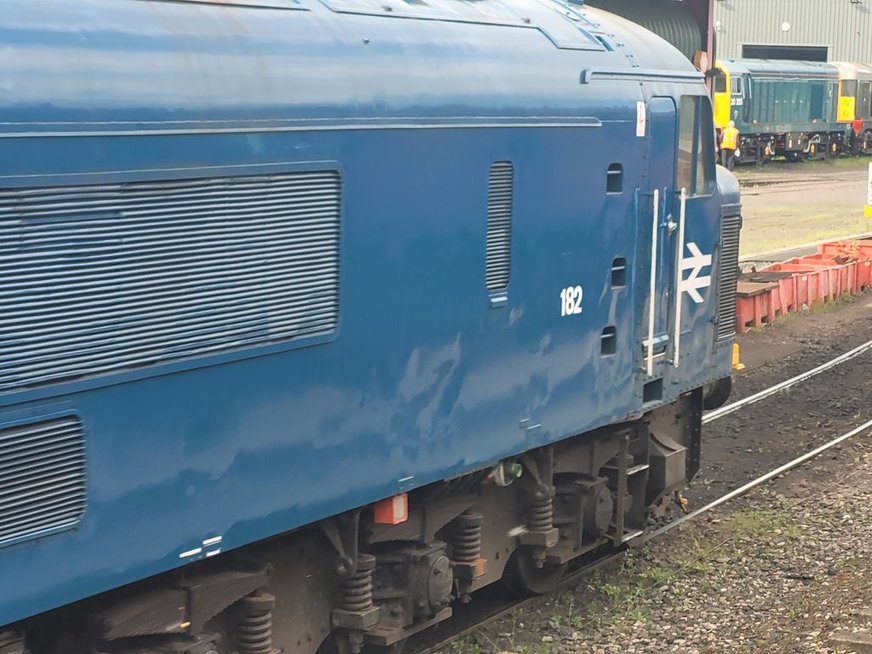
(652, 289)
(678, 278)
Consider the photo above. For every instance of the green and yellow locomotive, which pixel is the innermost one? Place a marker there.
(795, 109)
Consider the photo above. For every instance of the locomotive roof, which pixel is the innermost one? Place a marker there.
(849, 70)
(156, 61)
(765, 67)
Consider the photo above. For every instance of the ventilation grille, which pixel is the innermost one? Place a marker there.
(42, 478)
(729, 270)
(98, 279)
(499, 225)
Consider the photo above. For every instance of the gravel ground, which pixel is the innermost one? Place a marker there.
(776, 571)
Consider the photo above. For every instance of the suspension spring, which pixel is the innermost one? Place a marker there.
(540, 515)
(357, 589)
(254, 630)
(466, 537)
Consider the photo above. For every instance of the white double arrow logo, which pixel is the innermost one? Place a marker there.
(695, 263)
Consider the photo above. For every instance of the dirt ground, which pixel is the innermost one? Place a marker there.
(780, 570)
(785, 205)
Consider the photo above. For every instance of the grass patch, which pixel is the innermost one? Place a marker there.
(764, 524)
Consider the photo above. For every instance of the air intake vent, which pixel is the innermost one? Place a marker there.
(42, 478)
(99, 279)
(729, 270)
(499, 225)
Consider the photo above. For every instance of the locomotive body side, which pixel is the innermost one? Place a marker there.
(270, 264)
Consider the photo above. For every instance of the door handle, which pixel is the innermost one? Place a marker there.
(682, 214)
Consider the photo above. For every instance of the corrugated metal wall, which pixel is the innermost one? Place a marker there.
(667, 18)
(843, 26)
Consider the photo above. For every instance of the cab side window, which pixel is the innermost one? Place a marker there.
(696, 156)
(849, 88)
(736, 84)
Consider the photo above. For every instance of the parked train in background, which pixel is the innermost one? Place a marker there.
(321, 315)
(795, 109)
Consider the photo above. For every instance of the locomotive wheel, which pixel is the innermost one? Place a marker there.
(717, 394)
(522, 578)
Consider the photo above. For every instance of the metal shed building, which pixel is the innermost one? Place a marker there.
(684, 23)
(814, 30)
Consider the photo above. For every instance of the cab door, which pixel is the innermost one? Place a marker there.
(676, 228)
(657, 228)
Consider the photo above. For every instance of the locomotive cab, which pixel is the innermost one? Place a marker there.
(729, 95)
(721, 98)
(855, 105)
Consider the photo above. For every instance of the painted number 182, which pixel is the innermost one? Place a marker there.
(570, 300)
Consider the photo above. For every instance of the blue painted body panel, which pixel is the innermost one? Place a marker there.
(422, 379)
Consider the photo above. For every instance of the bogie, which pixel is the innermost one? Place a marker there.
(299, 595)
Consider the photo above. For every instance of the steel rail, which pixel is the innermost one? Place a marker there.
(866, 426)
(756, 397)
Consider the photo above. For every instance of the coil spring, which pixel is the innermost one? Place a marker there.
(254, 631)
(466, 539)
(540, 515)
(357, 589)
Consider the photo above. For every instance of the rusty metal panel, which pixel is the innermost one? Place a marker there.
(844, 28)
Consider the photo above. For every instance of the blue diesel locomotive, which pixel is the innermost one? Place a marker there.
(320, 315)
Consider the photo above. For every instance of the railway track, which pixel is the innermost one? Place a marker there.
(492, 603)
(786, 384)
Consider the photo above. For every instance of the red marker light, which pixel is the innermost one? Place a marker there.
(392, 511)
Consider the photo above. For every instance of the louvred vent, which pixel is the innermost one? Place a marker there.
(105, 278)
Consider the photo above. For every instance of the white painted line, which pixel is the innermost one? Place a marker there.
(190, 553)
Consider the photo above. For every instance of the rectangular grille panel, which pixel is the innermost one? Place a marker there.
(103, 278)
(730, 228)
(499, 225)
(42, 477)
